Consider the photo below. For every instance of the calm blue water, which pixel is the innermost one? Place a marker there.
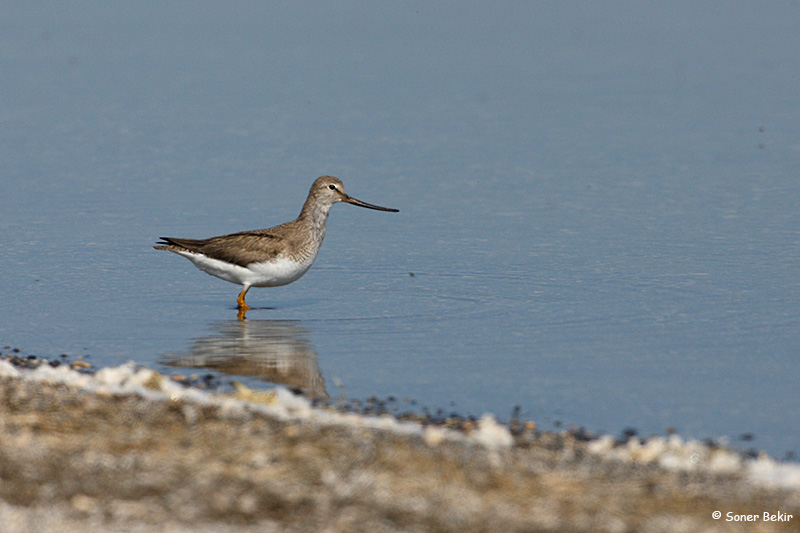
(598, 204)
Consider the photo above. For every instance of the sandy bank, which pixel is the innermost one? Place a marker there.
(126, 450)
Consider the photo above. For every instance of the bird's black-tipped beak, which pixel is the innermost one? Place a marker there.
(351, 200)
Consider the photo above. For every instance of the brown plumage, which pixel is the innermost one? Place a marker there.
(268, 257)
(241, 249)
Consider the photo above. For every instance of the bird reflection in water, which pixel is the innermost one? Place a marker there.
(276, 350)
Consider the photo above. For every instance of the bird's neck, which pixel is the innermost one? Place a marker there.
(315, 215)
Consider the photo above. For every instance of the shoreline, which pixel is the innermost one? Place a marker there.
(126, 449)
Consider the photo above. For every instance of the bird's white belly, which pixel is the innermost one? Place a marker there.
(278, 271)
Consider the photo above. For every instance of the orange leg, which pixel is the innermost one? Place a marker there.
(240, 300)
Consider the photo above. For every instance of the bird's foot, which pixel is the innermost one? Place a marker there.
(242, 306)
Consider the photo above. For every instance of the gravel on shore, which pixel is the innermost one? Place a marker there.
(129, 450)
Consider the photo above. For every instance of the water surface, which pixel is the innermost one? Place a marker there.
(598, 205)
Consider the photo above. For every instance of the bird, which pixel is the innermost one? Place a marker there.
(268, 257)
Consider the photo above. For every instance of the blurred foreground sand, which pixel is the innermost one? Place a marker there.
(72, 460)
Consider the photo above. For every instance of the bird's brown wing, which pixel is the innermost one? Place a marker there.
(238, 248)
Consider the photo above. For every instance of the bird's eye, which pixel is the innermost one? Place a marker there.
(332, 187)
